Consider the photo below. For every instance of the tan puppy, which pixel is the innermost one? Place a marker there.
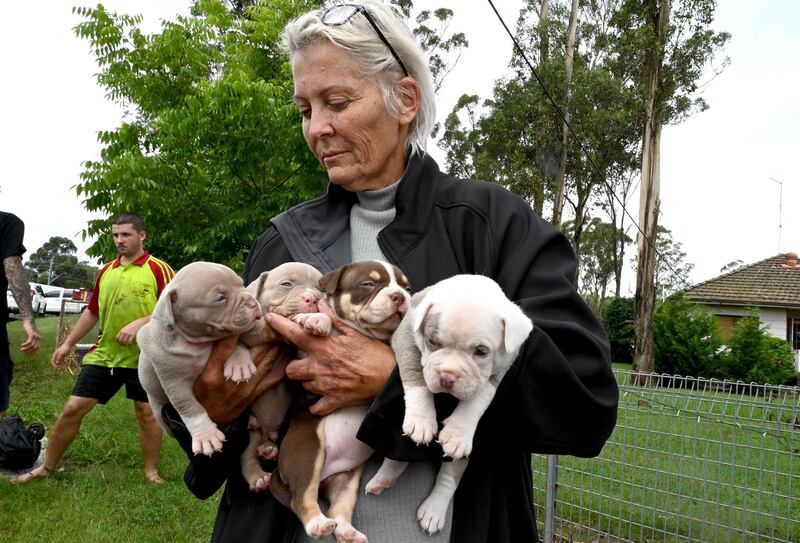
(323, 455)
(204, 302)
(291, 290)
(460, 336)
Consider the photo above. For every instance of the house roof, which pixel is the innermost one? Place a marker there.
(774, 281)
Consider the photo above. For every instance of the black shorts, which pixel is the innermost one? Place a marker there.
(102, 383)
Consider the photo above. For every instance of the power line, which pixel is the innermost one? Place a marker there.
(583, 146)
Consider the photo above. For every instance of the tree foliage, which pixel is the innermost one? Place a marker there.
(757, 357)
(211, 146)
(55, 263)
(618, 324)
(686, 339)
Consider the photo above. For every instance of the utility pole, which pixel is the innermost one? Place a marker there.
(780, 212)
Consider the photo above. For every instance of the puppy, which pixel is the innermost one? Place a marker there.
(323, 455)
(204, 302)
(291, 290)
(459, 337)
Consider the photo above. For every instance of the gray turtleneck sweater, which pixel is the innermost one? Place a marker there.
(390, 517)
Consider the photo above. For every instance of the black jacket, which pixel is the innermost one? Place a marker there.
(559, 397)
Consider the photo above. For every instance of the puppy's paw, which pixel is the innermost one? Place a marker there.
(318, 324)
(252, 423)
(207, 441)
(455, 439)
(239, 369)
(260, 484)
(421, 428)
(267, 450)
(377, 484)
(432, 514)
(345, 533)
(320, 526)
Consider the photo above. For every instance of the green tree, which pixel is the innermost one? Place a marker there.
(757, 357)
(211, 147)
(672, 269)
(618, 324)
(686, 339)
(55, 263)
(598, 265)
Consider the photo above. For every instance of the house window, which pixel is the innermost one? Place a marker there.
(794, 333)
(726, 325)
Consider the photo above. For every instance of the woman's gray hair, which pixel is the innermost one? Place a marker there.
(359, 40)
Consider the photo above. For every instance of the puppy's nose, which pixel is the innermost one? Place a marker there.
(397, 298)
(447, 380)
(310, 300)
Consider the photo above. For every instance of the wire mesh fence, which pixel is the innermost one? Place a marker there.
(690, 460)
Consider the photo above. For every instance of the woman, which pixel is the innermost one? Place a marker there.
(364, 90)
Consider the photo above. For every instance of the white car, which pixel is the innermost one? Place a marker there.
(37, 300)
(54, 298)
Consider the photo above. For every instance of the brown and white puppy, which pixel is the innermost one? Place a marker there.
(323, 455)
(460, 336)
(204, 302)
(291, 290)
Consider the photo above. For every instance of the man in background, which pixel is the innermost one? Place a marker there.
(122, 301)
(12, 230)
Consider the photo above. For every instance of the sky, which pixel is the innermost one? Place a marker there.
(729, 182)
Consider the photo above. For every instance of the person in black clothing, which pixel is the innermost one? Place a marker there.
(12, 230)
(364, 91)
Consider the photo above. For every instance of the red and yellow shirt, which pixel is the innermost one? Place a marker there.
(121, 295)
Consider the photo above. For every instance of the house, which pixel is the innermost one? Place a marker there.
(771, 285)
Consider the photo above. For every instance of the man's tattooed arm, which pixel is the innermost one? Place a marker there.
(19, 286)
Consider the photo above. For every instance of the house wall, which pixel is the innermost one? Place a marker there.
(773, 318)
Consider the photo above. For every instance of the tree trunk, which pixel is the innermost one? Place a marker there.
(558, 204)
(649, 200)
(544, 54)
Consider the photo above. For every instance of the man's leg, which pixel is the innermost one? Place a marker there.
(64, 432)
(150, 436)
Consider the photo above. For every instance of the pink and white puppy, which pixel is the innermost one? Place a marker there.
(459, 336)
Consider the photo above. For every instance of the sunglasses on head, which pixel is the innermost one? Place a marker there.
(340, 14)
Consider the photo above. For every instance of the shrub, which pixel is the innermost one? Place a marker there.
(686, 339)
(757, 357)
(618, 323)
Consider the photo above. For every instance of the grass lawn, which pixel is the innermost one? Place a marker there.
(98, 493)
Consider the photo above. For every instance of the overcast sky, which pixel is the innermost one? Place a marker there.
(717, 195)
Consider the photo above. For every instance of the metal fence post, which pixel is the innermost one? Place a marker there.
(550, 499)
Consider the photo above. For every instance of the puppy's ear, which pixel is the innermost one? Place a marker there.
(517, 327)
(421, 309)
(257, 287)
(330, 280)
(163, 310)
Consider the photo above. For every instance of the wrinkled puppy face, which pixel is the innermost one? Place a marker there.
(467, 331)
(207, 301)
(372, 295)
(288, 289)
(461, 346)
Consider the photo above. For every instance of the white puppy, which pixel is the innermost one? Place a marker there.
(459, 336)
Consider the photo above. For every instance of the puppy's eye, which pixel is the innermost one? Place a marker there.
(220, 298)
(432, 342)
(287, 284)
(368, 284)
(481, 350)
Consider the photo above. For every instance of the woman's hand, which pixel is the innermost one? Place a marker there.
(347, 369)
(224, 399)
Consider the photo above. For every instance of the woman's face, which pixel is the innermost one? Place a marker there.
(345, 121)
